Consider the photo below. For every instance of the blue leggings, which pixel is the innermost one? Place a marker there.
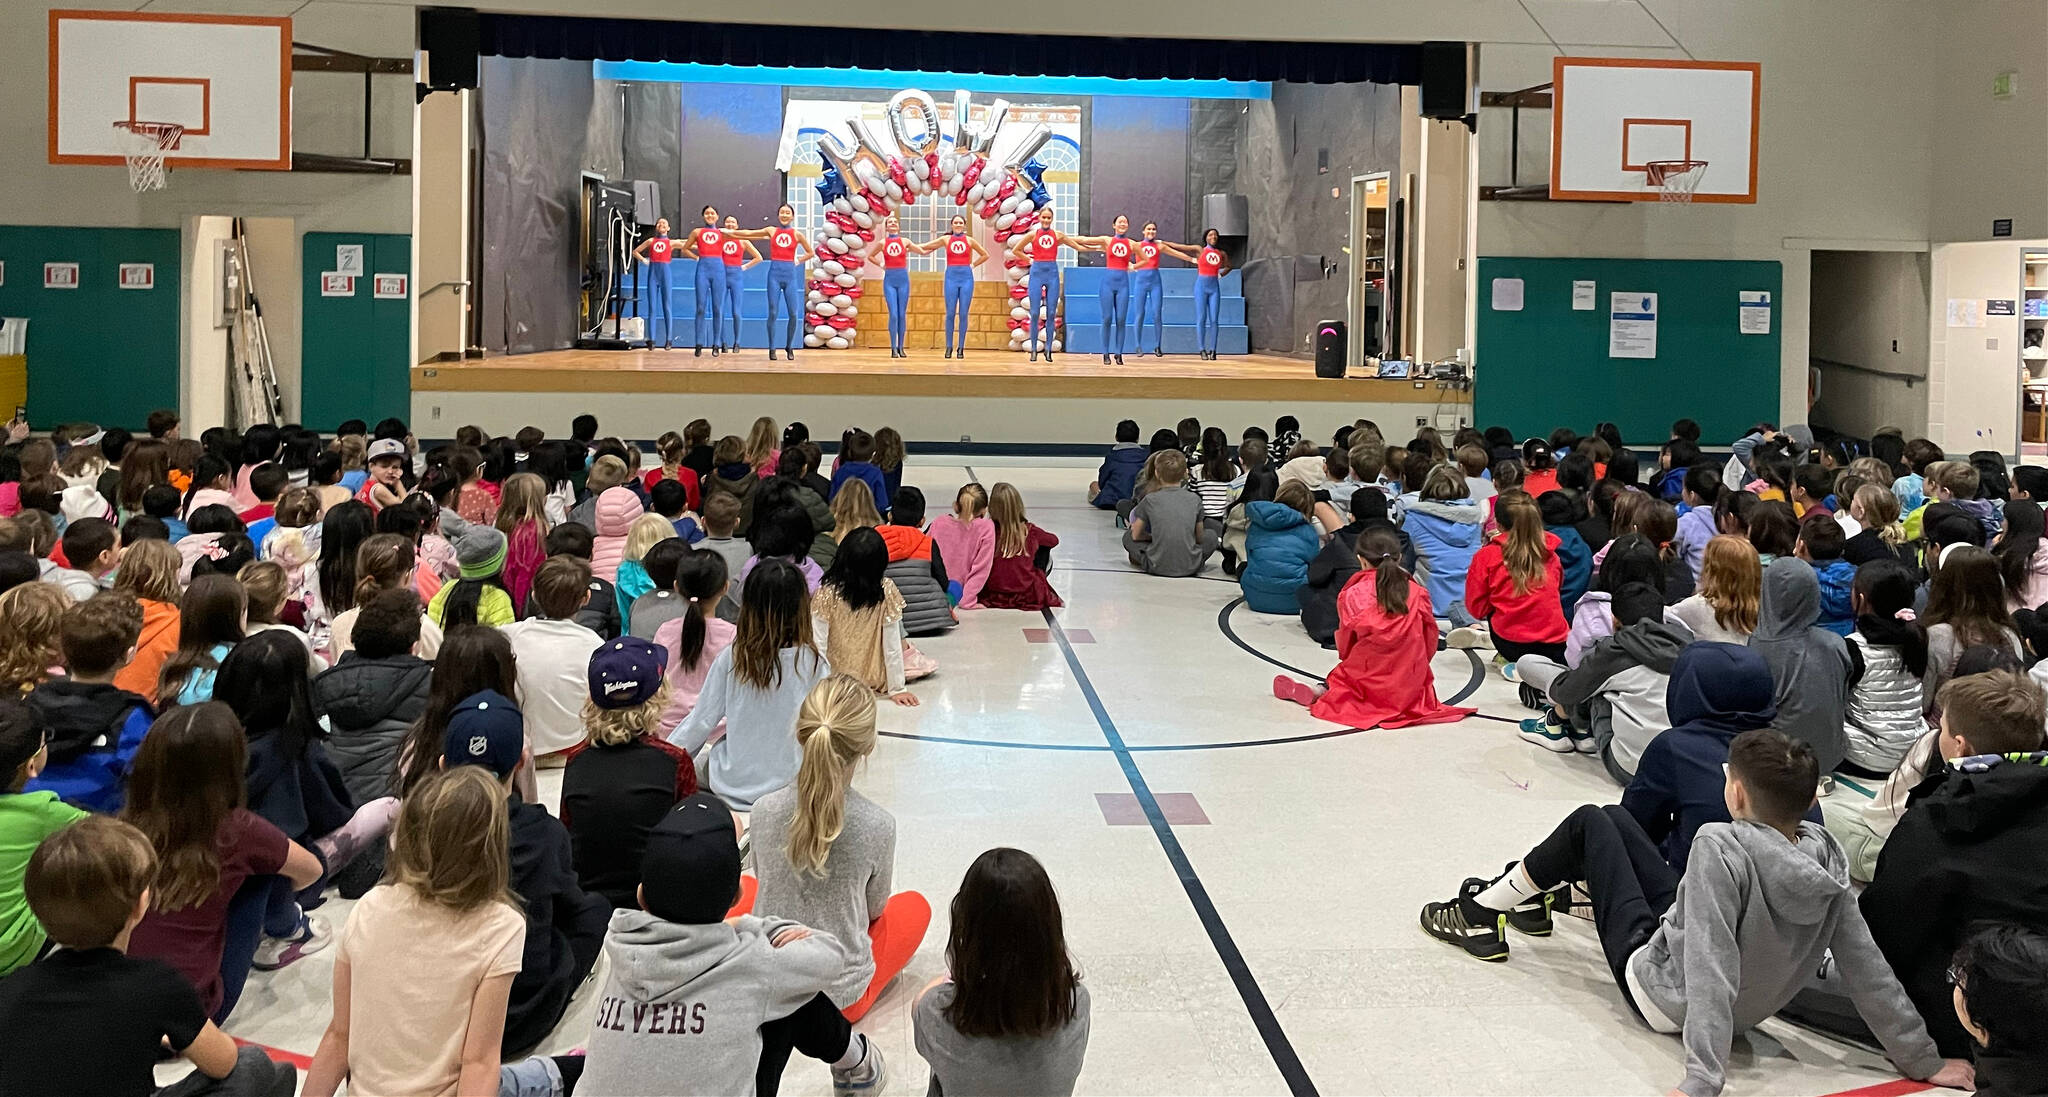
(1042, 290)
(1144, 288)
(959, 302)
(896, 293)
(1116, 296)
(786, 289)
(1208, 310)
(710, 295)
(661, 309)
(735, 280)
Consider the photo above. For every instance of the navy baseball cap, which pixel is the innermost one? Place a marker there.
(486, 729)
(626, 672)
(690, 871)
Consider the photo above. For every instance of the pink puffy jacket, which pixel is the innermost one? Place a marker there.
(616, 510)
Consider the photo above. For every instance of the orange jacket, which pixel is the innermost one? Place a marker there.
(158, 640)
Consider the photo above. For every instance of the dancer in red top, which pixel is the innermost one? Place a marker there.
(740, 256)
(1146, 288)
(656, 251)
(963, 254)
(1042, 288)
(894, 252)
(785, 276)
(706, 245)
(1210, 263)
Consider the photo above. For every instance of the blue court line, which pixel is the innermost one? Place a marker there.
(1263, 1018)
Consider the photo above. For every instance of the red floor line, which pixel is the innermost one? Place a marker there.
(1895, 1088)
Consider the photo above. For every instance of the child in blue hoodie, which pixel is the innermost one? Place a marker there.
(95, 726)
(1118, 476)
(1279, 543)
(1820, 544)
(1560, 515)
(1444, 524)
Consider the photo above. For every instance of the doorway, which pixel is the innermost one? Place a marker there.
(1868, 341)
(1367, 312)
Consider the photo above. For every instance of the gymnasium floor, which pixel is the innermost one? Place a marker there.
(1263, 938)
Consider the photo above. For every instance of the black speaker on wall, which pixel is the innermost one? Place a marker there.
(1446, 92)
(1330, 348)
(451, 39)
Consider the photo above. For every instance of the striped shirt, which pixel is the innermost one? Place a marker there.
(1216, 495)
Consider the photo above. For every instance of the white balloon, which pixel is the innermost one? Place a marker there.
(1058, 345)
(825, 308)
(866, 173)
(949, 165)
(830, 231)
(833, 268)
(836, 245)
(953, 186)
(1031, 344)
(1010, 204)
(847, 280)
(1020, 313)
(1005, 220)
(842, 300)
(1041, 313)
(921, 169)
(813, 297)
(842, 205)
(863, 220)
(824, 331)
(813, 341)
(895, 192)
(859, 203)
(849, 310)
(837, 343)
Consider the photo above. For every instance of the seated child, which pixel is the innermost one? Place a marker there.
(1809, 665)
(1574, 556)
(968, 539)
(917, 566)
(1956, 482)
(26, 818)
(746, 989)
(551, 652)
(600, 612)
(1023, 554)
(2001, 998)
(857, 619)
(1385, 640)
(1912, 489)
(1888, 653)
(1820, 544)
(827, 855)
(721, 523)
(660, 604)
(1723, 946)
(1812, 486)
(88, 1018)
(1114, 482)
(1443, 525)
(564, 923)
(1279, 543)
(624, 777)
(1513, 585)
(673, 503)
(93, 547)
(95, 726)
(1334, 565)
(1168, 536)
(857, 457)
(1011, 1015)
(694, 639)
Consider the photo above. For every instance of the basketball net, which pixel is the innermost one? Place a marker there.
(143, 145)
(1675, 180)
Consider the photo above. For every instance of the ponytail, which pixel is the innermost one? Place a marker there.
(701, 577)
(1379, 548)
(834, 730)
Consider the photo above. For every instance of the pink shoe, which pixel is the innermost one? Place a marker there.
(1287, 689)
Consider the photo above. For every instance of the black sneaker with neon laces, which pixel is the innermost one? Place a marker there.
(1464, 923)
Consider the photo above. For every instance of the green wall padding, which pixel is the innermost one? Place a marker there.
(1547, 365)
(355, 354)
(97, 353)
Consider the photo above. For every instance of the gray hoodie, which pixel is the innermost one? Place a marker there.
(1753, 916)
(1810, 666)
(1621, 682)
(683, 1006)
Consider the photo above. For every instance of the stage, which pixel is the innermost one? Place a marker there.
(990, 401)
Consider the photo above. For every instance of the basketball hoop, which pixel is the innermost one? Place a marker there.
(1675, 180)
(143, 145)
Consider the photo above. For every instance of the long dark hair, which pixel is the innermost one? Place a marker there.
(1968, 595)
(1886, 586)
(209, 469)
(1379, 548)
(1773, 528)
(856, 571)
(700, 577)
(1575, 474)
(470, 661)
(1260, 485)
(1633, 576)
(1216, 464)
(1007, 951)
(2024, 525)
(209, 614)
(188, 777)
(264, 680)
(775, 613)
(342, 532)
(465, 600)
(1890, 447)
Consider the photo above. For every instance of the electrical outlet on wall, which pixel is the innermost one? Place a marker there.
(967, 438)
(1421, 420)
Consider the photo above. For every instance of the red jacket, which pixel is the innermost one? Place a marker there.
(683, 475)
(1535, 616)
(905, 543)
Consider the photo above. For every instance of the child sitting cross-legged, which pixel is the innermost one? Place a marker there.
(624, 777)
(1168, 536)
(1820, 544)
(1719, 949)
(89, 1018)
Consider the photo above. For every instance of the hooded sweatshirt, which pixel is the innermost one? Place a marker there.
(95, 730)
(1837, 600)
(1118, 476)
(1717, 691)
(159, 639)
(1753, 916)
(1617, 691)
(683, 1005)
(1973, 846)
(1446, 535)
(1695, 529)
(1279, 543)
(1574, 556)
(1809, 665)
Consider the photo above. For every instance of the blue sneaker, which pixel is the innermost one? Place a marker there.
(1551, 737)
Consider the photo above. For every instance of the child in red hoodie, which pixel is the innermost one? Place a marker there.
(1513, 586)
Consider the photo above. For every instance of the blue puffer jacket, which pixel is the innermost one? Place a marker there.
(1577, 561)
(1446, 534)
(1279, 543)
(1118, 477)
(1837, 600)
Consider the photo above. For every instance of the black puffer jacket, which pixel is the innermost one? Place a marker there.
(369, 705)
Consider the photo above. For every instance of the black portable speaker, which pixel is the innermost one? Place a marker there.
(1330, 348)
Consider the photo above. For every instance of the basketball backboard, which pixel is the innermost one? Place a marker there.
(225, 78)
(1611, 117)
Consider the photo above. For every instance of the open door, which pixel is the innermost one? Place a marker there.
(1368, 252)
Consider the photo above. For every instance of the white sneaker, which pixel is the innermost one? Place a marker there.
(867, 1077)
(1468, 636)
(274, 953)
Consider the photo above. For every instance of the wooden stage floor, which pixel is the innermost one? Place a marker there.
(871, 372)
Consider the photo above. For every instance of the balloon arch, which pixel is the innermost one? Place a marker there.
(865, 182)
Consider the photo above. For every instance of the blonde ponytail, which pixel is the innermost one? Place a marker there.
(835, 729)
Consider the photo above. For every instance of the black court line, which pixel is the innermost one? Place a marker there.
(1263, 1018)
(1089, 748)
(1223, 623)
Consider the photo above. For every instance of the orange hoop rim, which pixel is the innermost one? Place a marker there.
(1656, 172)
(167, 135)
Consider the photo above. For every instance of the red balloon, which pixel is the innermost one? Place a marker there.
(897, 173)
(973, 173)
(854, 291)
(931, 163)
(1017, 293)
(840, 323)
(1008, 188)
